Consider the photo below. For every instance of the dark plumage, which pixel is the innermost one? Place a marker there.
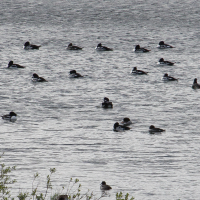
(163, 62)
(27, 46)
(153, 129)
(195, 85)
(74, 74)
(37, 78)
(119, 128)
(107, 103)
(63, 197)
(12, 116)
(72, 47)
(126, 121)
(162, 45)
(12, 65)
(104, 186)
(169, 78)
(141, 49)
(103, 48)
(138, 72)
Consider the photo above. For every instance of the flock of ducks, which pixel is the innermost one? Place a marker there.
(161, 61)
(106, 103)
(12, 116)
(124, 125)
(126, 122)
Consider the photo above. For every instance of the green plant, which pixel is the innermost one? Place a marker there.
(54, 197)
(5, 180)
(119, 196)
(22, 196)
(42, 196)
(34, 194)
(74, 192)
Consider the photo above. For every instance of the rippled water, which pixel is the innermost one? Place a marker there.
(61, 123)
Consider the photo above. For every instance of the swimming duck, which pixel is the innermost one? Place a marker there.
(169, 78)
(138, 72)
(72, 47)
(153, 129)
(163, 62)
(104, 186)
(36, 78)
(140, 49)
(107, 103)
(126, 121)
(102, 48)
(195, 85)
(12, 65)
(27, 46)
(74, 74)
(162, 45)
(119, 128)
(11, 116)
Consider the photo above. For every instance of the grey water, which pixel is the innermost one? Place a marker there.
(61, 123)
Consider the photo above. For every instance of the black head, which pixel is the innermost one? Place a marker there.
(195, 80)
(116, 125)
(106, 99)
(161, 43)
(13, 114)
(126, 119)
(134, 68)
(152, 127)
(70, 45)
(103, 183)
(99, 45)
(35, 75)
(166, 75)
(137, 46)
(161, 60)
(10, 63)
(72, 72)
(27, 44)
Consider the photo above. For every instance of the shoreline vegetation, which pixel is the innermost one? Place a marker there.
(73, 190)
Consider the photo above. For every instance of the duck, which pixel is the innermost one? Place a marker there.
(195, 85)
(36, 78)
(12, 65)
(63, 197)
(72, 47)
(74, 74)
(99, 47)
(153, 129)
(126, 121)
(139, 49)
(28, 46)
(104, 186)
(162, 45)
(168, 78)
(107, 103)
(138, 72)
(163, 62)
(12, 116)
(119, 128)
